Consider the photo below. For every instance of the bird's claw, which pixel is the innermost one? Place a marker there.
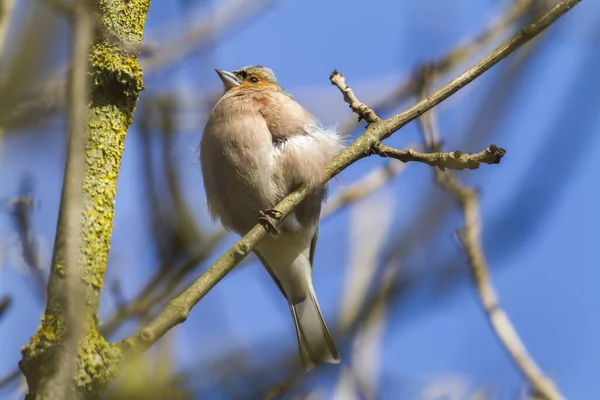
(267, 218)
(273, 213)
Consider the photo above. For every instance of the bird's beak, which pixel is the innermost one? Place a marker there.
(229, 80)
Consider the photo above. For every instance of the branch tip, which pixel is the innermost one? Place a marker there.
(452, 160)
(359, 108)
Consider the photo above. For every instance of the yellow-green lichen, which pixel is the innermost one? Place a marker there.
(39, 356)
(117, 75)
(51, 331)
(108, 127)
(124, 19)
(99, 363)
(117, 83)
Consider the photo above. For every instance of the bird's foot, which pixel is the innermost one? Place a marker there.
(268, 218)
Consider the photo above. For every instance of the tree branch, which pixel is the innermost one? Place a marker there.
(458, 54)
(470, 237)
(178, 309)
(359, 108)
(453, 160)
(117, 83)
(10, 378)
(219, 18)
(21, 210)
(74, 312)
(5, 303)
(360, 189)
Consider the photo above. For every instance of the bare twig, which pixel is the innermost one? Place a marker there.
(49, 95)
(454, 57)
(5, 303)
(10, 378)
(226, 14)
(168, 277)
(178, 309)
(453, 160)
(470, 237)
(6, 11)
(160, 288)
(360, 109)
(21, 214)
(360, 189)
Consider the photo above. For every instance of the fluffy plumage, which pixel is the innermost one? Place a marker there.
(258, 145)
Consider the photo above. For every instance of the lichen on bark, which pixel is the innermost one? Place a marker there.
(116, 85)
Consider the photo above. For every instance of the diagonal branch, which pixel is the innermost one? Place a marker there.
(453, 160)
(178, 309)
(454, 57)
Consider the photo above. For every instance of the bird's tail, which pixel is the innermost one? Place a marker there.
(314, 341)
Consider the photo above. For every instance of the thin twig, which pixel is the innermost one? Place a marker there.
(10, 378)
(21, 210)
(178, 309)
(160, 288)
(226, 14)
(453, 160)
(359, 108)
(470, 237)
(360, 189)
(5, 303)
(453, 58)
(6, 12)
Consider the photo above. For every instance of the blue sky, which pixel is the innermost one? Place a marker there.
(539, 206)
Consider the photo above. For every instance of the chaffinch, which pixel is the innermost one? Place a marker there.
(258, 145)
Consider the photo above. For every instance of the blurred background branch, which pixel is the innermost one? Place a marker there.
(21, 212)
(470, 238)
(390, 281)
(456, 56)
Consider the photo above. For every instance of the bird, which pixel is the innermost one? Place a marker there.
(259, 145)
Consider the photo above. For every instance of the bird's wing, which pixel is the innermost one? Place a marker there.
(313, 246)
(285, 118)
(236, 156)
(270, 271)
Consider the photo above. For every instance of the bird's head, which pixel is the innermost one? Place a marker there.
(252, 77)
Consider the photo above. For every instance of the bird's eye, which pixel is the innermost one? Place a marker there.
(254, 79)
